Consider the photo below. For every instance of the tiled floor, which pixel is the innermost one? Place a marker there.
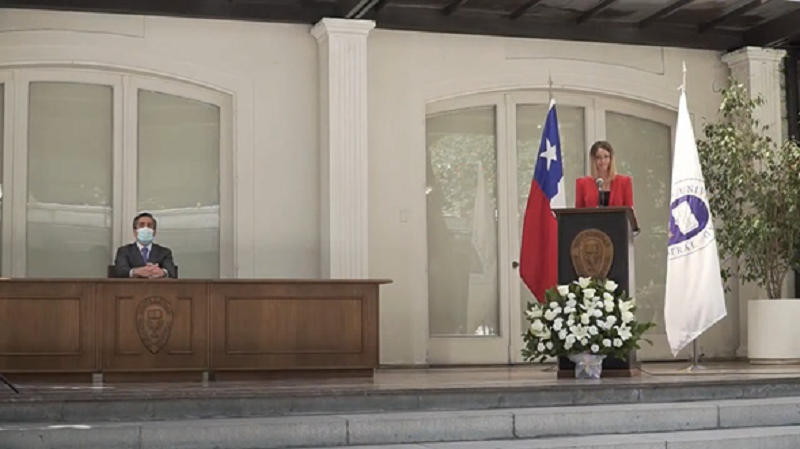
(408, 380)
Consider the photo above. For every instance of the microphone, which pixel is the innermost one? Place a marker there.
(599, 192)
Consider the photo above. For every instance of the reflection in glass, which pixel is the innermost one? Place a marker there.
(178, 171)
(463, 291)
(70, 129)
(643, 150)
(530, 120)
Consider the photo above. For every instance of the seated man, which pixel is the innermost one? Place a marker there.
(143, 258)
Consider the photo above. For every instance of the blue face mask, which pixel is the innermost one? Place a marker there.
(144, 236)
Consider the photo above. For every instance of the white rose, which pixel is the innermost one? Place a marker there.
(598, 313)
(540, 347)
(608, 296)
(627, 317)
(558, 324)
(611, 320)
(563, 290)
(610, 285)
(549, 345)
(571, 302)
(617, 342)
(545, 334)
(571, 296)
(534, 313)
(602, 324)
(609, 306)
(585, 318)
(550, 315)
(592, 330)
(589, 293)
(571, 321)
(584, 341)
(607, 343)
(553, 305)
(595, 348)
(562, 334)
(537, 326)
(570, 341)
(624, 333)
(584, 282)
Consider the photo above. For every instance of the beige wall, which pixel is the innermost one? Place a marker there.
(271, 71)
(409, 70)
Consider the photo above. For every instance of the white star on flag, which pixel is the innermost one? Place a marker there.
(550, 154)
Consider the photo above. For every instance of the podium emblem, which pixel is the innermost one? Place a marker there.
(592, 253)
(154, 318)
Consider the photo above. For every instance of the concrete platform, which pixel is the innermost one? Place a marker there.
(393, 390)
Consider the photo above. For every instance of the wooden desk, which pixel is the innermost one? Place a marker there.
(179, 329)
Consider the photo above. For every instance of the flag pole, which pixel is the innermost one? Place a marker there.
(695, 366)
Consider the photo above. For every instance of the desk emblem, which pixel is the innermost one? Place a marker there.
(592, 253)
(154, 318)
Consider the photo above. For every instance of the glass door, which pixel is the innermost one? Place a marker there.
(466, 240)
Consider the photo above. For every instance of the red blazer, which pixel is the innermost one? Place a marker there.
(621, 192)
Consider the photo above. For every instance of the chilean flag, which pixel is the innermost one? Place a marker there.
(538, 264)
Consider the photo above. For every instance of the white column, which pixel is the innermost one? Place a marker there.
(759, 69)
(343, 146)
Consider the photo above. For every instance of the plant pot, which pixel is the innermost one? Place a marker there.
(587, 366)
(773, 336)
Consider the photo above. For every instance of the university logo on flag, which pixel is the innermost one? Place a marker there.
(690, 226)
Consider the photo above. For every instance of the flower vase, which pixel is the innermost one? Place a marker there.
(587, 366)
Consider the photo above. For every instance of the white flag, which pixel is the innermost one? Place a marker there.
(695, 298)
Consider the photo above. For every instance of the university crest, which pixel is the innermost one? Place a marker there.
(154, 318)
(592, 253)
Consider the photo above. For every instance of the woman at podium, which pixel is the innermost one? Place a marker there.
(604, 187)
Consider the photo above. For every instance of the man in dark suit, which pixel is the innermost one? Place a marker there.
(143, 258)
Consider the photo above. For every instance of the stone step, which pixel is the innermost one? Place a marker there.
(114, 404)
(424, 427)
(751, 438)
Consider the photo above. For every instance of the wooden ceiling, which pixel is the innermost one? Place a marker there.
(706, 24)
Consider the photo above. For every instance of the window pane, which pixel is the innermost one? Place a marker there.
(70, 128)
(462, 224)
(571, 124)
(643, 150)
(179, 144)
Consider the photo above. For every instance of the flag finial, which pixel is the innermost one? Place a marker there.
(683, 83)
(550, 87)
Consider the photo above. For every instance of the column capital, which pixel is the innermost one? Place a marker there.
(332, 26)
(753, 54)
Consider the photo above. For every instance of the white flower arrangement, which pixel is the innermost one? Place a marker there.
(589, 316)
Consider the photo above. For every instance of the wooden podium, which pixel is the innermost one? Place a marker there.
(598, 242)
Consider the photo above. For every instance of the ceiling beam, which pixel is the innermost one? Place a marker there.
(247, 10)
(523, 8)
(472, 22)
(595, 10)
(451, 7)
(775, 32)
(355, 9)
(735, 13)
(663, 12)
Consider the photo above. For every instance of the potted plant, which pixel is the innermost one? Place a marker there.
(585, 321)
(753, 186)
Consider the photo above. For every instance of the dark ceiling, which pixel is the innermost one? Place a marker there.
(708, 24)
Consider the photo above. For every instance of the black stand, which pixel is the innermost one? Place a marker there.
(9, 384)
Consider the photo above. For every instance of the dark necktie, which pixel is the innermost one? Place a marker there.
(145, 253)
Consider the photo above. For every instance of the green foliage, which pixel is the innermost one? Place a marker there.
(588, 316)
(753, 186)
